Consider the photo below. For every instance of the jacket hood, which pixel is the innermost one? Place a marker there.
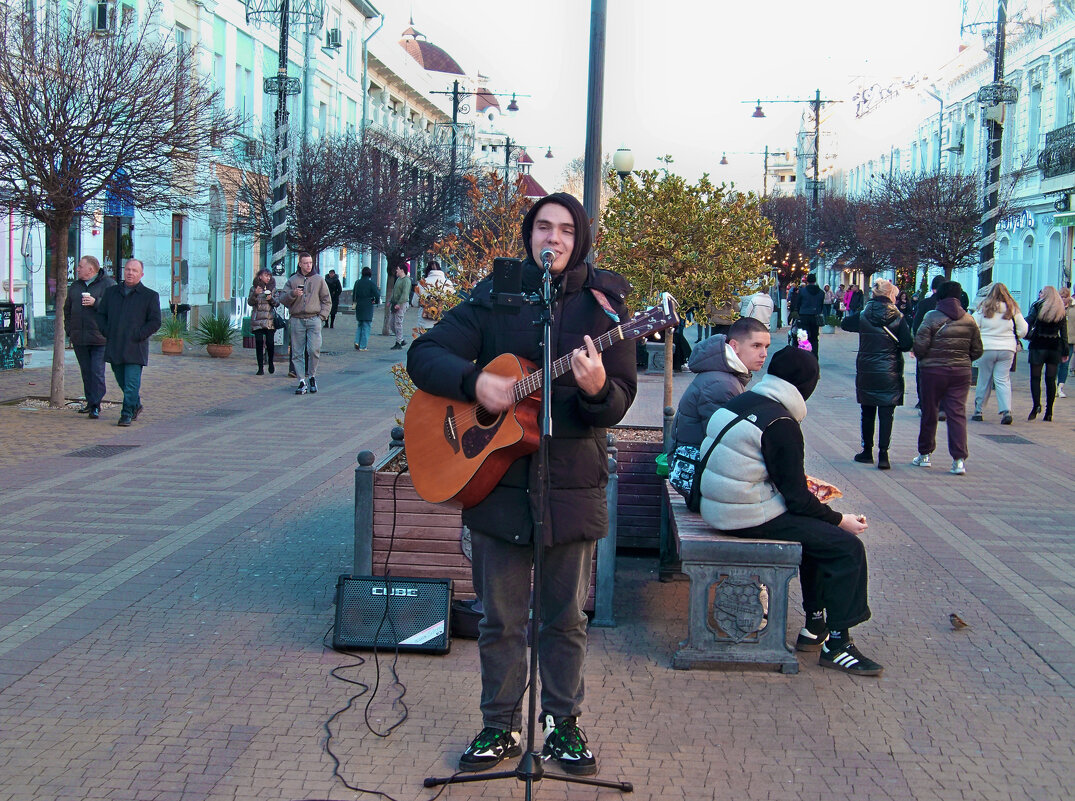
(583, 240)
(951, 307)
(784, 393)
(812, 289)
(880, 311)
(715, 354)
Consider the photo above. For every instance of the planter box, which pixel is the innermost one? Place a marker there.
(638, 505)
(426, 540)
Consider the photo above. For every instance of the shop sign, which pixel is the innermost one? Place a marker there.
(1014, 222)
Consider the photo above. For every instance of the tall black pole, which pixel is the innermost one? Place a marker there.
(451, 167)
(280, 170)
(591, 199)
(992, 170)
(815, 189)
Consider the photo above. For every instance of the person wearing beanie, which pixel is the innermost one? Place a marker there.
(448, 360)
(945, 345)
(755, 487)
(926, 304)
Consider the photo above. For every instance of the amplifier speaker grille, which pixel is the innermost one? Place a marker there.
(413, 614)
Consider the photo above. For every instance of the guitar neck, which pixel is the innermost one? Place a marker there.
(530, 384)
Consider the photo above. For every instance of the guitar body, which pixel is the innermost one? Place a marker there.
(457, 451)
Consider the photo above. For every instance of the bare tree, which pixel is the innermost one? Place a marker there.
(325, 191)
(573, 180)
(85, 115)
(412, 190)
(935, 217)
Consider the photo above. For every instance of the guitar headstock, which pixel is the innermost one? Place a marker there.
(655, 318)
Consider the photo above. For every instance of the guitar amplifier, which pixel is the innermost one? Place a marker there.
(389, 612)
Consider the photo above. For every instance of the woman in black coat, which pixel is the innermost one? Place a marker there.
(884, 336)
(1048, 346)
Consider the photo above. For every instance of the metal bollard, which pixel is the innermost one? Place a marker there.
(606, 548)
(364, 514)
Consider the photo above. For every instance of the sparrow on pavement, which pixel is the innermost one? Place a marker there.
(958, 622)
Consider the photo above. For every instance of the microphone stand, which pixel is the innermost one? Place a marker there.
(530, 768)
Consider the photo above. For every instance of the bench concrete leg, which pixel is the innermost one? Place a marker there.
(724, 622)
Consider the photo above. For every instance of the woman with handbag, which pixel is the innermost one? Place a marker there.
(1048, 338)
(262, 325)
(1001, 326)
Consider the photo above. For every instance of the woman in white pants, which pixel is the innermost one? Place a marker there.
(1001, 324)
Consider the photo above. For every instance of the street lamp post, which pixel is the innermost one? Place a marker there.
(623, 161)
(287, 12)
(765, 164)
(816, 102)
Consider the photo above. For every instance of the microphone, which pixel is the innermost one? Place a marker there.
(547, 257)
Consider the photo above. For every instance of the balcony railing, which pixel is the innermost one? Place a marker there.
(1058, 155)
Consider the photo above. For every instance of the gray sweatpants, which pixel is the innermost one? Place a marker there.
(501, 574)
(306, 338)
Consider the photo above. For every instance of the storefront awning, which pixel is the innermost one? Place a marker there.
(1067, 218)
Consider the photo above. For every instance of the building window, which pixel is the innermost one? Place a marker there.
(1063, 99)
(1033, 119)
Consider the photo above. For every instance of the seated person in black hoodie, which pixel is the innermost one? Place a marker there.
(755, 487)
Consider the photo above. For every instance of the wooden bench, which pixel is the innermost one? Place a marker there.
(726, 623)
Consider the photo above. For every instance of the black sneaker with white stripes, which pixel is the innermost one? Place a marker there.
(489, 747)
(808, 641)
(846, 657)
(565, 742)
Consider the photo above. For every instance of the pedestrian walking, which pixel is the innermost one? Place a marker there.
(811, 304)
(335, 289)
(830, 301)
(129, 314)
(427, 294)
(80, 325)
(364, 296)
(306, 295)
(1047, 349)
(926, 304)
(857, 301)
(1069, 316)
(884, 336)
(263, 305)
(903, 303)
(946, 343)
(759, 306)
(1002, 326)
(398, 302)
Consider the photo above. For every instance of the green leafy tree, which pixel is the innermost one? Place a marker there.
(705, 244)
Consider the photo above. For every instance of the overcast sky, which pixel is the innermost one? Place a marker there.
(677, 71)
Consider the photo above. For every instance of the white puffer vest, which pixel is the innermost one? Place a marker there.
(736, 490)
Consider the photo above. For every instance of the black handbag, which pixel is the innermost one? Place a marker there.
(694, 496)
(278, 322)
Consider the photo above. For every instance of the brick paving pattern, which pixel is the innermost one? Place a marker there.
(163, 613)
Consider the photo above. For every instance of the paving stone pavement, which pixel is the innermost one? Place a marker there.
(163, 613)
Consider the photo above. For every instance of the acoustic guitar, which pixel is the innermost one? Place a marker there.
(457, 451)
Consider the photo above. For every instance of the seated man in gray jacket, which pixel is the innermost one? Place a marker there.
(755, 487)
(722, 366)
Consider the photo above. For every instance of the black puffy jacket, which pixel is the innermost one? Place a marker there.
(446, 360)
(884, 336)
(811, 300)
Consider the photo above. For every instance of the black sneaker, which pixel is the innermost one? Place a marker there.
(565, 742)
(301, 388)
(489, 747)
(136, 412)
(865, 457)
(808, 641)
(313, 384)
(848, 659)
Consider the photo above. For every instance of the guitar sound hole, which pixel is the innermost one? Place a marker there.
(485, 417)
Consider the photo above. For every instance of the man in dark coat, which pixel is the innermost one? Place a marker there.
(448, 361)
(364, 296)
(129, 314)
(811, 303)
(884, 336)
(335, 289)
(80, 325)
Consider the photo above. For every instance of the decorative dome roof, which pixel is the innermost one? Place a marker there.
(531, 187)
(524, 158)
(484, 99)
(427, 54)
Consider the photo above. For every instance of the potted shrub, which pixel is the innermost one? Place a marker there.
(831, 323)
(171, 335)
(215, 332)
